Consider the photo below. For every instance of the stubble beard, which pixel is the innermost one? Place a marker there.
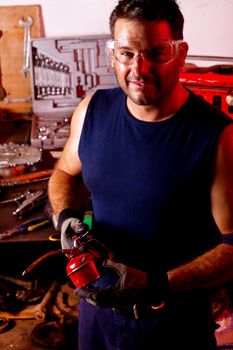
(154, 92)
(142, 98)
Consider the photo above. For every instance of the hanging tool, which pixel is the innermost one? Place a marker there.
(27, 39)
(2, 90)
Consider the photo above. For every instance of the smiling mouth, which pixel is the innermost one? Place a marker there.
(140, 83)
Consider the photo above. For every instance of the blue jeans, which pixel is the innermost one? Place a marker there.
(167, 329)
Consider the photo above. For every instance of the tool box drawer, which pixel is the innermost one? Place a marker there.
(63, 72)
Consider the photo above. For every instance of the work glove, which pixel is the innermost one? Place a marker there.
(131, 287)
(71, 227)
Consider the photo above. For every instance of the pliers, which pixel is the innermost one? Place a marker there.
(25, 227)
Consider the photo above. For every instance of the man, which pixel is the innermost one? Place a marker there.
(157, 162)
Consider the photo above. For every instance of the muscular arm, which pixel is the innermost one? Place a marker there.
(215, 266)
(65, 188)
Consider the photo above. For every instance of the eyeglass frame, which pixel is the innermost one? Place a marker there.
(110, 45)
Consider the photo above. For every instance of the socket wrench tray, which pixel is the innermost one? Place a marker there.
(63, 71)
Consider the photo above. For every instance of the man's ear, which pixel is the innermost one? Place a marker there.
(183, 51)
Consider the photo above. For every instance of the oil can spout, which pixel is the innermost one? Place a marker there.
(45, 256)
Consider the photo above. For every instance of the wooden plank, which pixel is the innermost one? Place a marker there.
(13, 82)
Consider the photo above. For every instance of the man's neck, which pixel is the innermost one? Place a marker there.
(164, 110)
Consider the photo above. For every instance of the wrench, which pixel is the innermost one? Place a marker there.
(2, 91)
(26, 48)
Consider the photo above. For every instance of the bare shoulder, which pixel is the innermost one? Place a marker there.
(222, 186)
(224, 154)
(69, 161)
(226, 138)
(225, 148)
(80, 112)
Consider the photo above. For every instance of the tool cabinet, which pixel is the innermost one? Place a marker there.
(63, 72)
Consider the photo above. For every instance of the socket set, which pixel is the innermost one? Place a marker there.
(64, 71)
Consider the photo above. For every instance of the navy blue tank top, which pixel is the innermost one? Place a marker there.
(150, 181)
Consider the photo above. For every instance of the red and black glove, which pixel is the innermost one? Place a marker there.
(132, 287)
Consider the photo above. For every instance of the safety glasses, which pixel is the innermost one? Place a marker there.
(126, 52)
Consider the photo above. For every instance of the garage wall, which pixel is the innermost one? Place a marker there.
(208, 23)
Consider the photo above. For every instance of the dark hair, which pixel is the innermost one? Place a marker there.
(149, 11)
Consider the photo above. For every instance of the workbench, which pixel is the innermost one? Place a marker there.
(19, 251)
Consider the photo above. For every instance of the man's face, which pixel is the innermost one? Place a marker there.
(143, 78)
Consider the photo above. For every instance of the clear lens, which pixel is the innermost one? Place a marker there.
(127, 52)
